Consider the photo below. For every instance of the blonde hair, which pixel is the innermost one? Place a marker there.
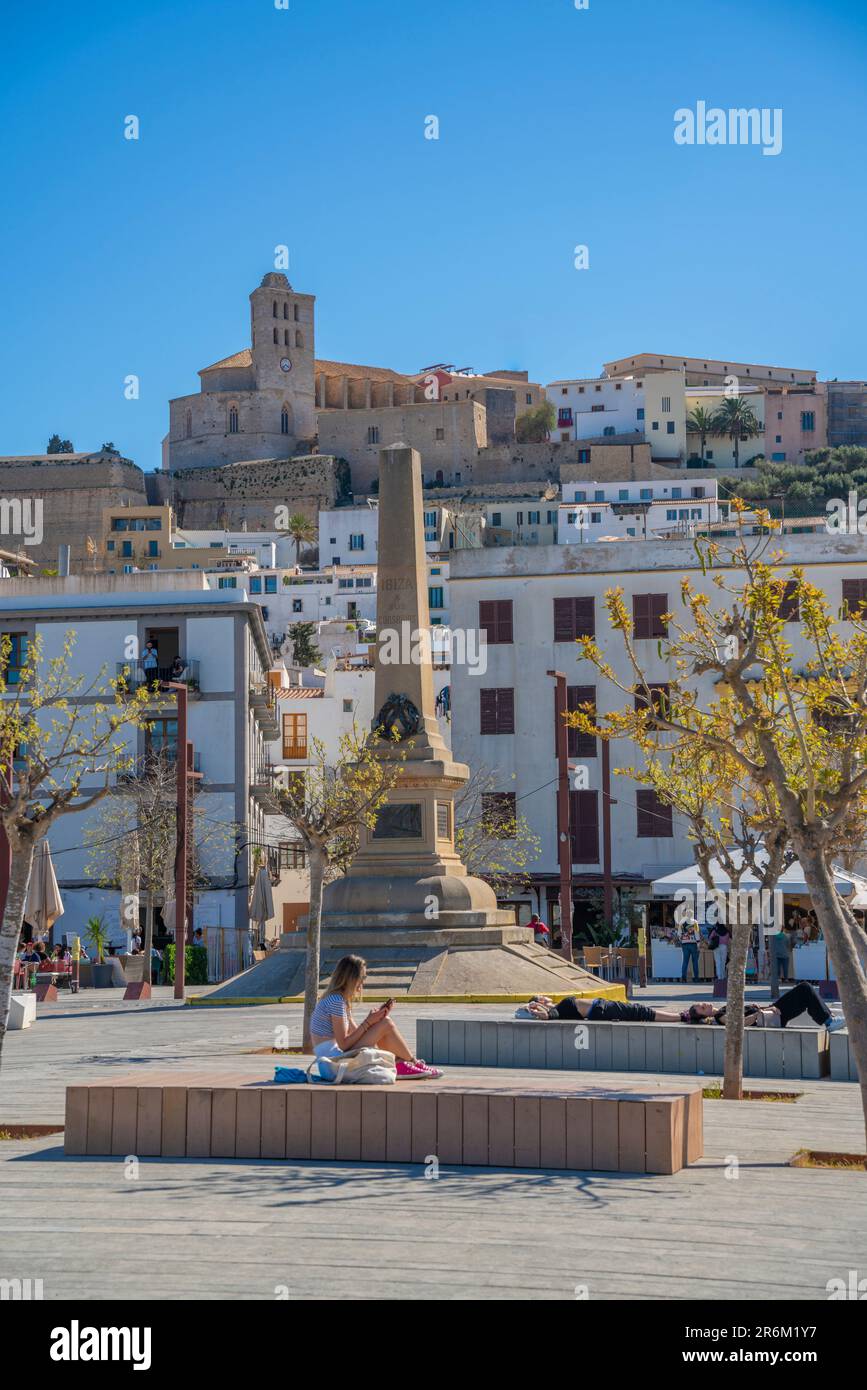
(348, 977)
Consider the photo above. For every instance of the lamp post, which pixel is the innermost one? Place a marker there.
(184, 762)
(564, 838)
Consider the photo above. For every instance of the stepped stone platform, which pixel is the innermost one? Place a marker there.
(684, 1049)
(842, 1057)
(414, 963)
(516, 1122)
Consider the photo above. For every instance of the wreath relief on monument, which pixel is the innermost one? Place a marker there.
(398, 719)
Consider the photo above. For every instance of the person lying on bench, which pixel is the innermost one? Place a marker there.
(803, 999)
(333, 1029)
(596, 1011)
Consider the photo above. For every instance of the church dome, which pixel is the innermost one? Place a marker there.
(275, 279)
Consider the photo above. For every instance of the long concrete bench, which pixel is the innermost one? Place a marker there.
(842, 1058)
(691, 1049)
(528, 1124)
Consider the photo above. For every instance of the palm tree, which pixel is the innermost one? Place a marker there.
(703, 423)
(737, 419)
(302, 531)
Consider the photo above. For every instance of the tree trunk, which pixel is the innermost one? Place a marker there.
(733, 1078)
(13, 920)
(316, 860)
(147, 944)
(843, 950)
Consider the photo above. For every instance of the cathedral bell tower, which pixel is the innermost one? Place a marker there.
(282, 327)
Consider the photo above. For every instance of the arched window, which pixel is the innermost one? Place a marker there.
(285, 308)
(233, 419)
(296, 313)
(286, 337)
(275, 308)
(276, 335)
(188, 424)
(284, 420)
(299, 341)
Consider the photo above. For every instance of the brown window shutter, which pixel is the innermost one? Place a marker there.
(790, 604)
(504, 621)
(585, 618)
(640, 615)
(584, 817)
(487, 711)
(506, 712)
(581, 745)
(854, 593)
(562, 620)
(654, 818)
(658, 606)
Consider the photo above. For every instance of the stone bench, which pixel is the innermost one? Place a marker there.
(691, 1049)
(521, 1123)
(842, 1058)
(22, 1011)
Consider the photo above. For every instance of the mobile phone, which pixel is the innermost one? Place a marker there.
(389, 1004)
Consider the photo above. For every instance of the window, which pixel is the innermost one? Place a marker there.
(778, 439)
(435, 596)
(623, 494)
(655, 425)
(639, 414)
(495, 620)
(695, 513)
(671, 514)
(188, 424)
(256, 585)
(227, 582)
(299, 340)
(498, 814)
(580, 496)
(808, 420)
(647, 611)
(346, 584)
(285, 337)
(564, 417)
(356, 540)
(161, 739)
(297, 605)
(779, 415)
(153, 548)
(657, 699)
(599, 495)
(669, 427)
(347, 706)
(373, 434)
(126, 547)
(233, 419)
(110, 545)
(294, 735)
(533, 518)
(666, 405)
(595, 408)
(284, 421)
(440, 433)
(790, 605)
(579, 744)
(519, 519)
(595, 518)
(276, 335)
(497, 711)
(270, 583)
(285, 309)
(573, 617)
(696, 492)
(708, 453)
(653, 816)
(274, 309)
(854, 594)
(17, 657)
(583, 455)
(584, 826)
(646, 494)
(676, 492)
(529, 398)
(295, 313)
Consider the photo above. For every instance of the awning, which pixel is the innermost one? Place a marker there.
(791, 881)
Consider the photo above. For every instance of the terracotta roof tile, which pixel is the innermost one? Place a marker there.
(244, 358)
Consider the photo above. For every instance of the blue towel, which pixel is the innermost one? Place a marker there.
(295, 1076)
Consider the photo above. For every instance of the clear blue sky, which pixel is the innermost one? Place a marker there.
(306, 127)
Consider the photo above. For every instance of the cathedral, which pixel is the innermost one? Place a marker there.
(260, 402)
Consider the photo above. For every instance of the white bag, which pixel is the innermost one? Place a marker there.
(364, 1066)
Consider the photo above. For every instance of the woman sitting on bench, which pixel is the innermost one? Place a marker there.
(596, 1011)
(803, 999)
(334, 1030)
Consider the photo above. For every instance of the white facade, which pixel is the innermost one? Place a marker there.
(653, 406)
(268, 548)
(222, 641)
(531, 580)
(634, 510)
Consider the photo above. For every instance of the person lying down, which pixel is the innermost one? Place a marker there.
(803, 999)
(594, 1010)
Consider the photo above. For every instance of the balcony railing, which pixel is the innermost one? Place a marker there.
(155, 763)
(295, 750)
(135, 674)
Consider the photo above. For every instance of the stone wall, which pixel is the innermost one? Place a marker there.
(73, 490)
(249, 493)
(462, 426)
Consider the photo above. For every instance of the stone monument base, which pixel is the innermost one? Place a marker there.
(466, 960)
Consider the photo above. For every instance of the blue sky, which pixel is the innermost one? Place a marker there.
(305, 126)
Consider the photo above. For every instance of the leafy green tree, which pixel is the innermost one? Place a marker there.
(305, 652)
(534, 426)
(56, 445)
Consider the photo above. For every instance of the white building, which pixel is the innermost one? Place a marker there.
(268, 548)
(719, 451)
(635, 510)
(232, 717)
(533, 603)
(652, 406)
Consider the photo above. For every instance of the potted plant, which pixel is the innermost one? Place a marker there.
(96, 936)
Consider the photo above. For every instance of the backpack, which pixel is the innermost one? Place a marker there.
(364, 1066)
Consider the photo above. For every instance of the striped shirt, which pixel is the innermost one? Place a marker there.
(330, 1006)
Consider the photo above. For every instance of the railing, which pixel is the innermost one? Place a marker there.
(295, 750)
(135, 674)
(156, 762)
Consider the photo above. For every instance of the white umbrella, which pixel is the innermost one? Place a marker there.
(262, 901)
(43, 904)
